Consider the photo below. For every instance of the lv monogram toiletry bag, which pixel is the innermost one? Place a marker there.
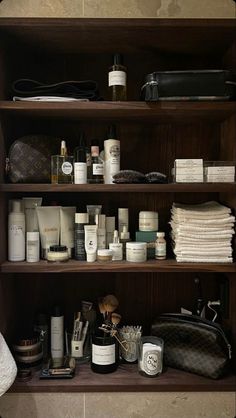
(193, 344)
(29, 159)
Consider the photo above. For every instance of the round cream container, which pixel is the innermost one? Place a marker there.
(148, 221)
(136, 252)
(58, 253)
(104, 255)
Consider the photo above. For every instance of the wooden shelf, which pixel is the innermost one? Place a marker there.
(120, 188)
(160, 112)
(150, 266)
(126, 379)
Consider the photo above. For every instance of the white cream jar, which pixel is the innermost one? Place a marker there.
(148, 221)
(136, 252)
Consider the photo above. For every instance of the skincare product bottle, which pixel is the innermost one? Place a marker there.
(112, 155)
(62, 167)
(32, 247)
(136, 252)
(31, 219)
(57, 337)
(110, 228)
(97, 163)
(80, 162)
(93, 211)
(101, 231)
(41, 327)
(67, 223)
(89, 163)
(160, 246)
(105, 357)
(124, 238)
(49, 227)
(81, 219)
(117, 79)
(123, 219)
(116, 247)
(16, 233)
(91, 242)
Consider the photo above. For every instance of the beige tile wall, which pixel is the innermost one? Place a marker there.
(119, 405)
(121, 8)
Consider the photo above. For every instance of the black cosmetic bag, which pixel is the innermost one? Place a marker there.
(189, 85)
(193, 344)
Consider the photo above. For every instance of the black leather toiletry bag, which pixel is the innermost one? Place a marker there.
(189, 85)
(29, 159)
(193, 344)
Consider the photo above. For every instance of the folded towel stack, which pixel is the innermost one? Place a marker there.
(202, 233)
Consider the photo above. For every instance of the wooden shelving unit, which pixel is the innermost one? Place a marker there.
(152, 136)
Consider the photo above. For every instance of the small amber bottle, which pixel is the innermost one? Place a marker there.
(117, 78)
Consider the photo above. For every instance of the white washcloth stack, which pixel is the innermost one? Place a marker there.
(202, 233)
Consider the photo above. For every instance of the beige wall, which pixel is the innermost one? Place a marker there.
(120, 405)
(120, 8)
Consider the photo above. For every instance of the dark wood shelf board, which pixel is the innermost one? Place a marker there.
(160, 112)
(126, 379)
(150, 266)
(121, 188)
(193, 36)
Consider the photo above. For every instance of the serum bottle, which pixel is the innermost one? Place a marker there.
(80, 162)
(160, 246)
(117, 79)
(116, 247)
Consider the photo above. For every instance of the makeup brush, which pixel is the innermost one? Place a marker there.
(115, 318)
(110, 303)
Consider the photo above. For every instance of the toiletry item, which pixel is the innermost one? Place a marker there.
(80, 162)
(31, 220)
(58, 253)
(117, 79)
(62, 167)
(32, 247)
(150, 362)
(160, 246)
(89, 163)
(97, 163)
(81, 219)
(67, 223)
(101, 231)
(57, 336)
(150, 238)
(41, 328)
(130, 337)
(188, 171)
(91, 242)
(116, 247)
(110, 228)
(16, 233)
(112, 155)
(148, 221)
(104, 353)
(124, 238)
(136, 252)
(104, 256)
(93, 210)
(123, 219)
(49, 227)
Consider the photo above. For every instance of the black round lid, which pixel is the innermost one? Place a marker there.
(56, 311)
(58, 248)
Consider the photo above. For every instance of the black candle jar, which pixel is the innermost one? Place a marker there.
(105, 354)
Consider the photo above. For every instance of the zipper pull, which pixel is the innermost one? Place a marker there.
(7, 165)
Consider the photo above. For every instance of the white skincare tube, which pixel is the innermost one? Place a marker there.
(31, 220)
(67, 221)
(49, 227)
(91, 242)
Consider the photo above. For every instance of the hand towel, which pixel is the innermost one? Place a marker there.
(8, 367)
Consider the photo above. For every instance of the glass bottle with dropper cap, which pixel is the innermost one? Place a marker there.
(117, 79)
(116, 247)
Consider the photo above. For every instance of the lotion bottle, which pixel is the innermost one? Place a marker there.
(112, 155)
(16, 233)
(57, 336)
(160, 246)
(124, 238)
(80, 162)
(116, 247)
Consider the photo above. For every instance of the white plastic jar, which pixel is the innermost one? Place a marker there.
(136, 252)
(148, 221)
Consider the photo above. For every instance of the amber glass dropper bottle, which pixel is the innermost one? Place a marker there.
(117, 79)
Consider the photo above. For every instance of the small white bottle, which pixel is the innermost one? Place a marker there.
(101, 231)
(116, 247)
(110, 228)
(32, 247)
(16, 233)
(123, 219)
(57, 336)
(160, 246)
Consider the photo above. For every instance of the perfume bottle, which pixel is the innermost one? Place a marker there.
(80, 162)
(62, 167)
(117, 79)
(97, 163)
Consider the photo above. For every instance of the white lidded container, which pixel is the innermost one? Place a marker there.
(148, 221)
(136, 252)
(16, 233)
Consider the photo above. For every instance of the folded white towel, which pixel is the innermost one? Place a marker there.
(212, 221)
(203, 253)
(8, 367)
(209, 208)
(188, 259)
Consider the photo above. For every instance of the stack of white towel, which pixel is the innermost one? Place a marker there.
(202, 233)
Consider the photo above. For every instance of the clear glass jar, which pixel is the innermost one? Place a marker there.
(150, 360)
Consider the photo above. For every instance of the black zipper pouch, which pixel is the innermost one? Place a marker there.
(193, 344)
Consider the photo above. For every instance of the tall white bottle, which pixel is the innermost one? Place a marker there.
(112, 156)
(16, 233)
(57, 336)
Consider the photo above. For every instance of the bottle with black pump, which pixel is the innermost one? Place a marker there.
(117, 79)
(80, 162)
